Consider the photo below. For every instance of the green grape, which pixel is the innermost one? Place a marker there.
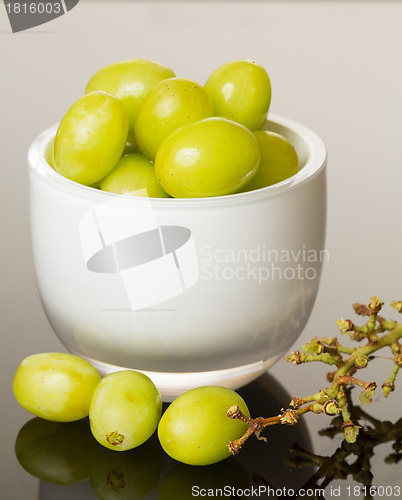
(91, 138)
(195, 428)
(125, 410)
(241, 91)
(132, 475)
(129, 81)
(49, 153)
(56, 452)
(131, 144)
(278, 162)
(55, 386)
(212, 157)
(184, 482)
(133, 174)
(169, 105)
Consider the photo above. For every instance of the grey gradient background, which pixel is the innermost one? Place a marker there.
(335, 66)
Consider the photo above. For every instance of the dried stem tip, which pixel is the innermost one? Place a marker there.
(361, 309)
(361, 362)
(255, 427)
(234, 412)
(289, 417)
(344, 325)
(331, 407)
(375, 305)
(296, 402)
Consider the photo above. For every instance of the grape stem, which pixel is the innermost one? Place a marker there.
(377, 333)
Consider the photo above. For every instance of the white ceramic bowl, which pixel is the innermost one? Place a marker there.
(189, 291)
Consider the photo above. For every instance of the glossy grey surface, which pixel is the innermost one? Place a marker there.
(335, 66)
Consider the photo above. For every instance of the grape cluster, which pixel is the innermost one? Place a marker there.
(139, 129)
(125, 408)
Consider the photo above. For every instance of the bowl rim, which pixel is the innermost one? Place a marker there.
(316, 162)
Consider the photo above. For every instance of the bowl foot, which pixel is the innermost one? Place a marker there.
(172, 384)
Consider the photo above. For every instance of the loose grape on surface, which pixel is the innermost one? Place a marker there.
(195, 428)
(125, 410)
(55, 386)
